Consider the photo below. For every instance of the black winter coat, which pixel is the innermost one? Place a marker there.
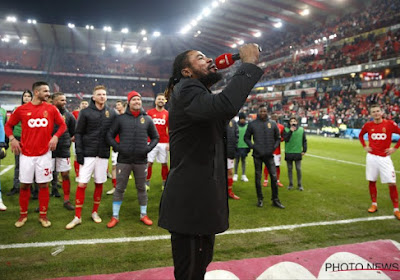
(133, 133)
(91, 130)
(232, 139)
(64, 142)
(265, 135)
(195, 198)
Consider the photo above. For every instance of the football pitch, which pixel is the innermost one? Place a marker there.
(331, 211)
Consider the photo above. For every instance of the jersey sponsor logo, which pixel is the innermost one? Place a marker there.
(142, 120)
(378, 136)
(32, 123)
(159, 121)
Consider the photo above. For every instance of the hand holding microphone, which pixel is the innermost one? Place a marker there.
(248, 53)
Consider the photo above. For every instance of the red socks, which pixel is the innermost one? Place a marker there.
(66, 185)
(97, 196)
(372, 191)
(24, 195)
(149, 172)
(114, 182)
(76, 167)
(44, 198)
(80, 198)
(394, 196)
(278, 173)
(164, 172)
(230, 183)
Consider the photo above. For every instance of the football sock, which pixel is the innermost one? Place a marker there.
(372, 191)
(79, 200)
(278, 173)
(266, 173)
(66, 185)
(24, 195)
(115, 208)
(394, 196)
(76, 167)
(97, 196)
(143, 210)
(149, 172)
(44, 198)
(164, 172)
(114, 182)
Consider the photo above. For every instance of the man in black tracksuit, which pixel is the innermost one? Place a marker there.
(61, 155)
(194, 204)
(92, 151)
(266, 139)
(134, 127)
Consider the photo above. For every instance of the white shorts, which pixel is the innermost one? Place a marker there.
(61, 164)
(114, 157)
(277, 160)
(73, 148)
(230, 163)
(95, 165)
(38, 168)
(159, 153)
(382, 166)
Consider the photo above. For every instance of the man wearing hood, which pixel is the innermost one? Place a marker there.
(134, 127)
(266, 138)
(92, 151)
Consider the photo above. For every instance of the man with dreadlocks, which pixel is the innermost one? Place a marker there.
(194, 204)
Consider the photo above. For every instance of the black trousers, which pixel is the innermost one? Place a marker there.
(191, 254)
(270, 164)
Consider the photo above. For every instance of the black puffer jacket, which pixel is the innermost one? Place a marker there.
(232, 138)
(64, 142)
(91, 130)
(266, 137)
(133, 132)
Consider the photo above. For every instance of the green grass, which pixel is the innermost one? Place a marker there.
(333, 191)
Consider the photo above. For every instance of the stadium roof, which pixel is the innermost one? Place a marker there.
(211, 26)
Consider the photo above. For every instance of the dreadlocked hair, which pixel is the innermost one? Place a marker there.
(180, 62)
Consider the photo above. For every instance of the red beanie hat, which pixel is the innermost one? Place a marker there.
(133, 94)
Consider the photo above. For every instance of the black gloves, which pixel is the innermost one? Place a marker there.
(80, 159)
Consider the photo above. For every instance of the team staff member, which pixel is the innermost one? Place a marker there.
(266, 138)
(61, 155)
(92, 151)
(194, 204)
(295, 148)
(120, 109)
(242, 149)
(133, 128)
(160, 152)
(277, 156)
(37, 121)
(378, 156)
(232, 136)
(3, 147)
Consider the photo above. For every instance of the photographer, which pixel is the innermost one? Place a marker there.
(295, 148)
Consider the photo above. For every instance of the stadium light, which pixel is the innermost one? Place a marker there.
(215, 4)
(125, 30)
(185, 29)
(193, 23)
(240, 42)
(87, 26)
(257, 34)
(71, 25)
(5, 39)
(31, 21)
(134, 49)
(11, 19)
(278, 24)
(103, 48)
(206, 12)
(156, 34)
(107, 28)
(234, 46)
(23, 41)
(143, 32)
(120, 48)
(200, 17)
(145, 39)
(148, 51)
(222, 1)
(304, 12)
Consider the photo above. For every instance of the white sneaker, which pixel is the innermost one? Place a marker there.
(235, 177)
(96, 218)
(244, 178)
(111, 191)
(76, 221)
(77, 179)
(2, 206)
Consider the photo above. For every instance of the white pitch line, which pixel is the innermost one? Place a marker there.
(164, 237)
(339, 160)
(6, 169)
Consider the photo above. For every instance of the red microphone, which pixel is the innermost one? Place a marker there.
(226, 60)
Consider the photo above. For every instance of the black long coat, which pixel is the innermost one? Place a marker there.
(195, 199)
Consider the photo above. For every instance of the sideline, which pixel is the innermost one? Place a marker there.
(164, 237)
(5, 170)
